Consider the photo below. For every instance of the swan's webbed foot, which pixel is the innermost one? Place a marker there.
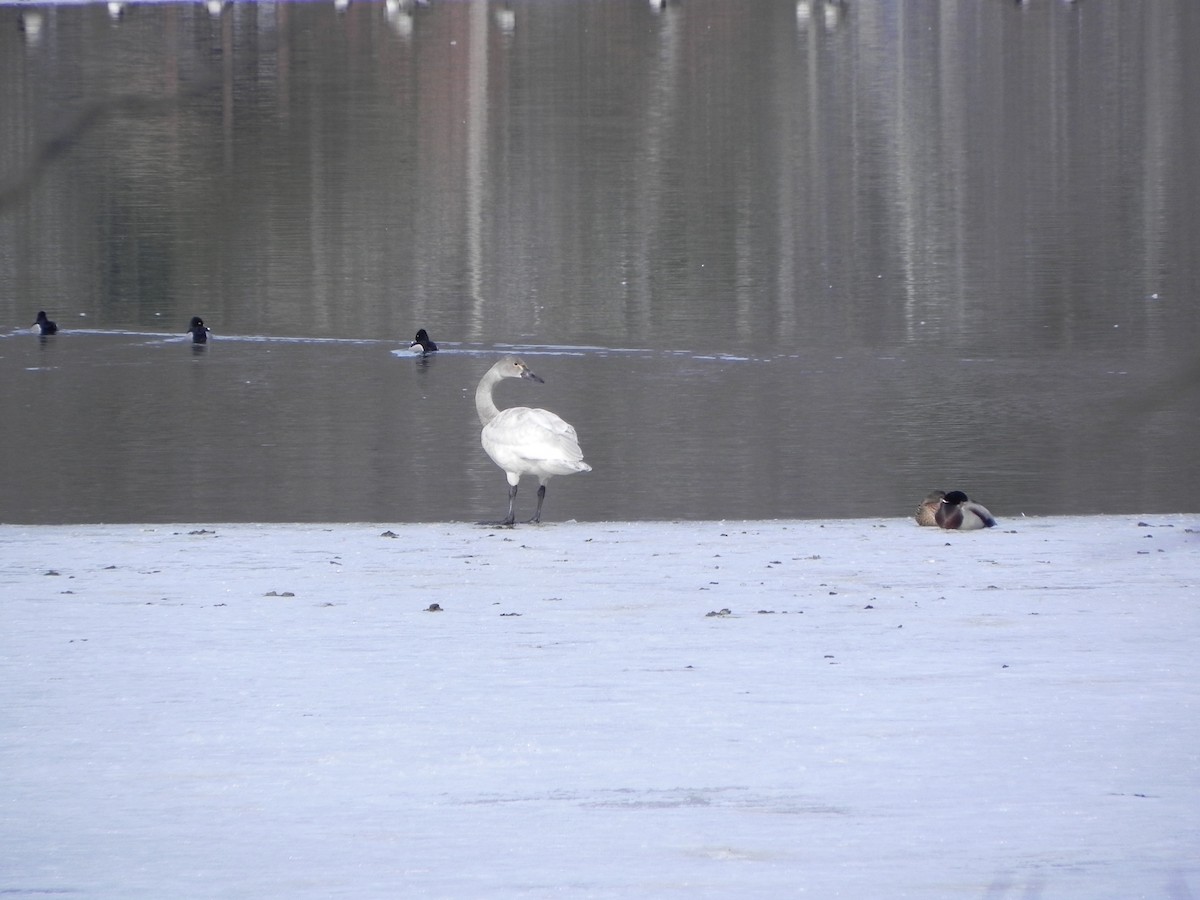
(512, 516)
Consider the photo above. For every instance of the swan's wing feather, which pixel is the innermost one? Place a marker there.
(528, 421)
(522, 425)
(533, 440)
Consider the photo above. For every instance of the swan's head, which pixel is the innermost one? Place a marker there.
(514, 367)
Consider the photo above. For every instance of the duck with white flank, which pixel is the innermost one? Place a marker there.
(44, 325)
(422, 340)
(525, 441)
(198, 331)
(961, 513)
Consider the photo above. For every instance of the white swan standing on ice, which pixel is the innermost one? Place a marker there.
(524, 441)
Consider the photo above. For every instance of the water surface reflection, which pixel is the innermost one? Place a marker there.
(770, 262)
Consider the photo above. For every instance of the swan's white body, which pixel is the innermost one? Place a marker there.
(525, 441)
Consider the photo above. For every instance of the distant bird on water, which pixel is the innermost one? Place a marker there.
(44, 325)
(958, 512)
(198, 331)
(422, 340)
(524, 441)
(927, 511)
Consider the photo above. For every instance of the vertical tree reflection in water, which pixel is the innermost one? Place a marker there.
(777, 264)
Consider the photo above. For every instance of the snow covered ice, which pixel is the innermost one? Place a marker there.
(885, 710)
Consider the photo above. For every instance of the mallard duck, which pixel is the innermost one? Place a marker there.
(958, 512)
(927, 511)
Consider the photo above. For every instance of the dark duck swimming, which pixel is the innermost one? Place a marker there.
(422, 340)
(44, 325)
(198, 330)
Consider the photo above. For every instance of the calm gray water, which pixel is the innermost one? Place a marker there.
(772, 260)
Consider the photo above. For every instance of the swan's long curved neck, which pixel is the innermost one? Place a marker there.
(485, 406)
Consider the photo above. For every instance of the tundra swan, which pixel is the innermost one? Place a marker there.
(525, 441)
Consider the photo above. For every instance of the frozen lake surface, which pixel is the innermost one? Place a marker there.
(883, 711)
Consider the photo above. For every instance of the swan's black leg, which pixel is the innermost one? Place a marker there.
(512, 499)
(537, 516)
(508, 520)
